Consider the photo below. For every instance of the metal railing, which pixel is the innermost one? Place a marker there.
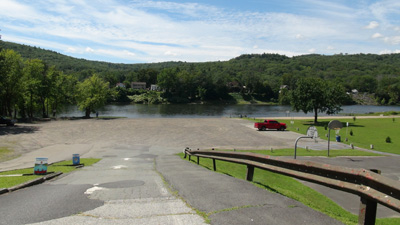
(372, 187)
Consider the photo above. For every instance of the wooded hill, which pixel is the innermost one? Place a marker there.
(254, 74)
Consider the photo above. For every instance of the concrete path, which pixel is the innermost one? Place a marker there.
(232, 201)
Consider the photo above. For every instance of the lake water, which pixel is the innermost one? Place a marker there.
(198, 111)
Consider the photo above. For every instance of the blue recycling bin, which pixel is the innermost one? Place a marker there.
(337, 138)
(76, 159)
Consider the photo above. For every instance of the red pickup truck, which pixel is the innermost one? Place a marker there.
(270, 124)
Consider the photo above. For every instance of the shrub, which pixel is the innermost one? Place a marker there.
(351, 132)
(388, 140)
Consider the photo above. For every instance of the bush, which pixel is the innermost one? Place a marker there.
(388, 140)
(351, 132)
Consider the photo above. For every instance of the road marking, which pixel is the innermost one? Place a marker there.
(119, 167)
(93, 189)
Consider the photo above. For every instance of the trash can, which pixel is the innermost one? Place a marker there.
(337, 138)
(76, 159)
(40, 166)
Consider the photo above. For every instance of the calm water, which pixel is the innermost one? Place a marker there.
(197, 111)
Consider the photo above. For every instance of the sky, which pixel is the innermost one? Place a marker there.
(141, 31)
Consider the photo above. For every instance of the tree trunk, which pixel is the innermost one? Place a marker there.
(31, 106)
(315, 116)
(44, 109)
(87, 112)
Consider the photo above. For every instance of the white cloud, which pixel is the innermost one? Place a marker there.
(71, 50)
(169, 53)
(372, 25)
(300, 36)
(154, 31)
(389, 51)
(129, 53)
(392, 40)
(312, 50)
(386, 11)
(377, 35)
(90, 50)
(330, 47)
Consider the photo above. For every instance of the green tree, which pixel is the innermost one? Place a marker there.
(10, 80)
(364, 83)
(316, 95)
(167, 80)
(36, 86)
(62, 90)
(91, 94)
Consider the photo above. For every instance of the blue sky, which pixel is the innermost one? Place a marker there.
(137, 31)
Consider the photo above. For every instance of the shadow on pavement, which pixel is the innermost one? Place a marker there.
(17, 129)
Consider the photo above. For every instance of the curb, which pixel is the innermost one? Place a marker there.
(30, 183)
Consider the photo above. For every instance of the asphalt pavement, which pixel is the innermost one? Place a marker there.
(127, 186)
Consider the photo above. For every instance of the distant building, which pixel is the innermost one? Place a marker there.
(154, 87)
(121, 85)
(138, 85)
(282, 87)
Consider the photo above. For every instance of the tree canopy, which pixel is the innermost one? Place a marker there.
(91, 94)
(316, 95)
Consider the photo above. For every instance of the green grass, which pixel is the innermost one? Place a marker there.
(388, 113)
(64, 167)
(365, 132)
(291, 188)
(304, 152)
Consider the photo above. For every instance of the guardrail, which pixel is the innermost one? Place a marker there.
(372, 187)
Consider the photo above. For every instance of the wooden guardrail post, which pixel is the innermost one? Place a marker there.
(198, 160)
(367, 213)
(214, 165)
(250, 173)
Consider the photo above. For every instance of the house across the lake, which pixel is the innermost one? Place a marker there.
(121, 85)
(154, 87)
(138, 85)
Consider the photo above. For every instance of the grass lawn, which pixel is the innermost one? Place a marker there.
(291, 188)
(65, 167)
(304, 152)
(365, 132)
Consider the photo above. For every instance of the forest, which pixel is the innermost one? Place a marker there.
(256, 77)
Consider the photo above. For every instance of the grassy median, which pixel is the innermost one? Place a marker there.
(25, 175)
(291, 188)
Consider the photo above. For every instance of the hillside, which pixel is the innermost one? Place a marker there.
(72, 65)
(330, 67)
(255, 74)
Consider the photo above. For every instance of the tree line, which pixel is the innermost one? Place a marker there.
(31, 88)
(265, 77)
